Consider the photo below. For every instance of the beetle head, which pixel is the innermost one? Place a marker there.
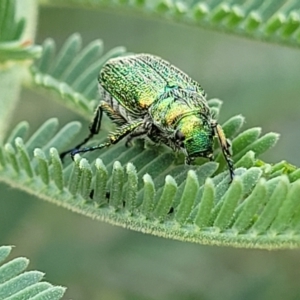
(195, 137)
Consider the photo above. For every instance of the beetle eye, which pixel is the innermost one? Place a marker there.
(179, 136)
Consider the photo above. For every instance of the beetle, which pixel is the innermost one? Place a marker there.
(146, 96)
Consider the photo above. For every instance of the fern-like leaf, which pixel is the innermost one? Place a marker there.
(17, 284)
(12, 47)
(62, 73)
(275, 21)
(148, 189)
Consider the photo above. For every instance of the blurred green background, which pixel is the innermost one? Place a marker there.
(99, 261)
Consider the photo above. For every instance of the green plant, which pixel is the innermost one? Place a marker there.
(17, 284)
(260, 209)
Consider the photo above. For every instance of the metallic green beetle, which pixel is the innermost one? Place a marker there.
(147, 96)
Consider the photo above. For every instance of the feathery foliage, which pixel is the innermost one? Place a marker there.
(274, 21)
(60, 72)
(16, 283)
(127, 187)
(12, 45)
(144, 188)
(148, 188)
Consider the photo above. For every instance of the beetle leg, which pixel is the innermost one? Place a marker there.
(139, 132)
(94, 129)
(113, 137)
(225, 146)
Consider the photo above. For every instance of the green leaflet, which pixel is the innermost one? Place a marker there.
(16, 283)
(12, 47)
